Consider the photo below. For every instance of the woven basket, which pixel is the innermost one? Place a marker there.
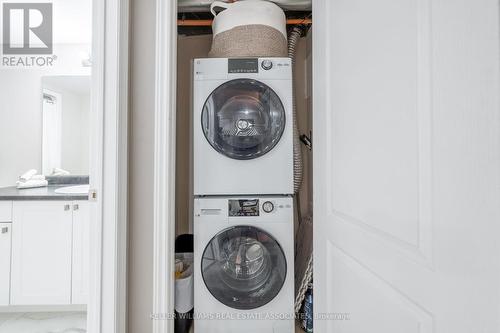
(253, 40)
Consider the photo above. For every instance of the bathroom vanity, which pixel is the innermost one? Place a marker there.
(44, 247)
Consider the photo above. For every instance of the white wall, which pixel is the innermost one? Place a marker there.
(75, 133)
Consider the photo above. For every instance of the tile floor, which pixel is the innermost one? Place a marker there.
(43, 322)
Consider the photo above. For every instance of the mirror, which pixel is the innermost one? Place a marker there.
(65, 124)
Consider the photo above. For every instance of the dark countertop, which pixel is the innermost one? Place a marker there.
(39, 193)
(67, 180)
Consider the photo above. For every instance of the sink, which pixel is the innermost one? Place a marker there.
(77, 189)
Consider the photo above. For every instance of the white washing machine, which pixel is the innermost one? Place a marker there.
(243, 265)
(242, 126)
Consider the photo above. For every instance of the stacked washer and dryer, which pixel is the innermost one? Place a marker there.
(243, 187)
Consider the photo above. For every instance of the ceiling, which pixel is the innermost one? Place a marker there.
(203, 5)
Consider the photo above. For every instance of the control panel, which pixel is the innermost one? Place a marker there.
(252, 207)
(243, 65)
(243, 207)
(251, 65)
(227, 69)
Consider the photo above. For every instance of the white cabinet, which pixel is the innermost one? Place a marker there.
(50, 252)
(5, 244)
(81, 242)
(41, 253)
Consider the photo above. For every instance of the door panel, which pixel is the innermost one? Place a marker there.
(370, 300)
(81, 252)
(406, 166)
(41, 253)
(375, 134)
(243, 119)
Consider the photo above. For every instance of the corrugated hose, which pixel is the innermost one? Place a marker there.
(298, 168)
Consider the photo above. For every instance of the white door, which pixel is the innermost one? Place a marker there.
(5, 241)
(81, 251)
(407, 166)
(41, 252)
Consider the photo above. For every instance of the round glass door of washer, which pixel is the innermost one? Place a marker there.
(243, 267)
(243, 119)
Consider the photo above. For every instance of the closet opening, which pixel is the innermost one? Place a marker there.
(266, 105)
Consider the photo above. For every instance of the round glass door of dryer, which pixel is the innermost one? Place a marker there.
(243, 267)
(243, 119)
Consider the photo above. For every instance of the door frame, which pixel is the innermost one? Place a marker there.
(164, 166)
(108, 171)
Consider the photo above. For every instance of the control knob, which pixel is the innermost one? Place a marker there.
(267, 64)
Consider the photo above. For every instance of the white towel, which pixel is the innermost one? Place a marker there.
(32, 183)
(38, 177)
(28, 174)
(60, 172)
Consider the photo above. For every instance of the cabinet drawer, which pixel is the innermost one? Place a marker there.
(5, 211)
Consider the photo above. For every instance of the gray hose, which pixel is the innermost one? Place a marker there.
(298, 168)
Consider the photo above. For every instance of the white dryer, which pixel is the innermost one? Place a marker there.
(242, 126)
(243, 265)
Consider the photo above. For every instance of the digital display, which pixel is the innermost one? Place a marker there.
(244, 207)
(243, 65)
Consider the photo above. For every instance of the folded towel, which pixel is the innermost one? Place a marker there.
(32, 183)
(59, 172)
(38, 177)
(28, 174)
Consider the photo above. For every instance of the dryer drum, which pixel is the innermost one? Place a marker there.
(243, 119)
